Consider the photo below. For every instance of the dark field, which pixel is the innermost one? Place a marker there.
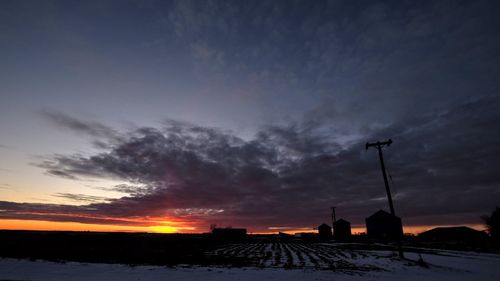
(262, 251)
(126, 248)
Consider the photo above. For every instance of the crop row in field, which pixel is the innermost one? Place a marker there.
(298, 255)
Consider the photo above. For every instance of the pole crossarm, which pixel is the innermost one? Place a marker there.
(378, 144)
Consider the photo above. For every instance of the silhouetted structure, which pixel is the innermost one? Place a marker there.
(306, 236)
(493, 224)
(384, 226)
(229, 234)
(284, 236)
(325, 232)
(453, 234)
(342, 230)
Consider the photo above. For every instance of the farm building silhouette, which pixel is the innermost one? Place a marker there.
(341, 230)
(453, 234)
(384, 226)
(325, 232)
(229, 234)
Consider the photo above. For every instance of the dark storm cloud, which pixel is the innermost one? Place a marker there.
(443, 166)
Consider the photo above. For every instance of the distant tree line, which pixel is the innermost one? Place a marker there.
(492, 223)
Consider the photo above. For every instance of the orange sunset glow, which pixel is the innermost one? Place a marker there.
(8, 224)
(155, 226)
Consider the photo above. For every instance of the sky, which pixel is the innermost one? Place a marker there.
(170, 116)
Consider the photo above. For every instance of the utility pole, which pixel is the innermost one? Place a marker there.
(334, 219)
(378, 145)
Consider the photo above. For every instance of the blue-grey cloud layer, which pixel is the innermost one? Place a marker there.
(239, 64)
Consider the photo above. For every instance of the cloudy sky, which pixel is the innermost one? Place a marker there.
(174, 115)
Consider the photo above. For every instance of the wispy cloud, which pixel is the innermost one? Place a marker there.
(91, 128)
(81, 198)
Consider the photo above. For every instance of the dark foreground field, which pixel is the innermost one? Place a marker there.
(260, 251)
(77, 256)
(184, 249)
(125, 248)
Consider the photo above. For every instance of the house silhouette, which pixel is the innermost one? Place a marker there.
(453, 234)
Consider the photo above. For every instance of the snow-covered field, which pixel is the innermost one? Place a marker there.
(278, 261)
